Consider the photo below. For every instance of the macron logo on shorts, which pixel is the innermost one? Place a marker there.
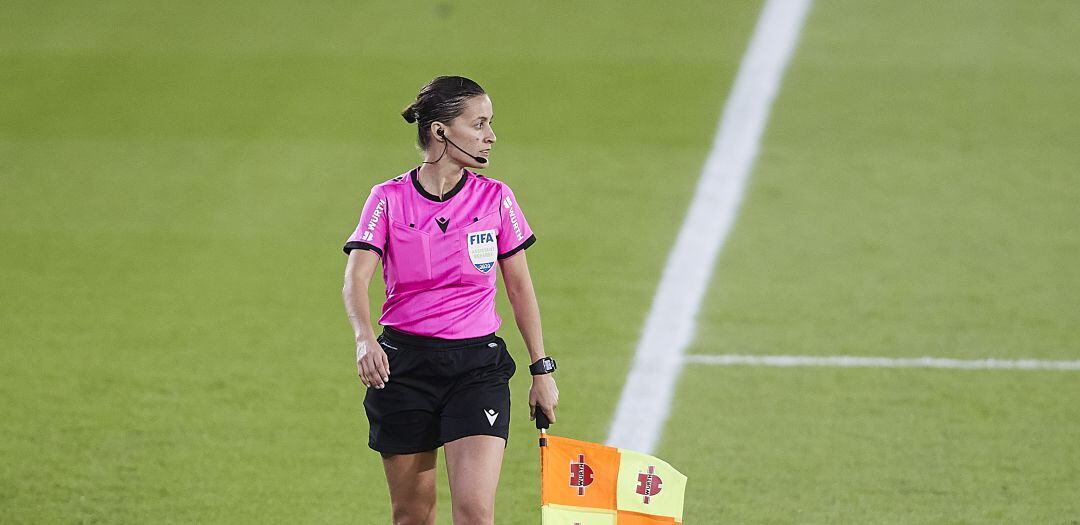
(491, 416)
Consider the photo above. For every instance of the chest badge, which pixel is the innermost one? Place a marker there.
(483, 249)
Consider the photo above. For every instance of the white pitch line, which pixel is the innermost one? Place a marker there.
(646, 395)
(844, 361)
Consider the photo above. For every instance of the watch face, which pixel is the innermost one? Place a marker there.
(543, 366)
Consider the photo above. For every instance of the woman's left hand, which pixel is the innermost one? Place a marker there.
(543, 395)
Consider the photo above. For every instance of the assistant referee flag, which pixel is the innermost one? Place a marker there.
(586, 483)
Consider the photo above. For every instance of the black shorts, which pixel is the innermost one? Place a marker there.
(439, 390)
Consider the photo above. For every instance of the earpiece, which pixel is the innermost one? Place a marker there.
(477, 158)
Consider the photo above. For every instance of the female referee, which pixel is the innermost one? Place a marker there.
(437, 375)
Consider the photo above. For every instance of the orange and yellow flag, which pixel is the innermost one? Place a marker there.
(591, 484)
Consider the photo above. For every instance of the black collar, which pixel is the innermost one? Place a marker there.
(415, 176)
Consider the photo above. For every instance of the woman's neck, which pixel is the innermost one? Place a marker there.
(439, 179)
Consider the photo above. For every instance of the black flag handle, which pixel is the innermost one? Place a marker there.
(542, 422)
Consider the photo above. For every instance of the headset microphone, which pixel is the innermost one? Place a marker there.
(477, 158)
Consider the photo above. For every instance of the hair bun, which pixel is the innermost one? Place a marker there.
(441, 100)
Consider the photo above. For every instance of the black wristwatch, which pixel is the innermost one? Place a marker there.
(542, 366)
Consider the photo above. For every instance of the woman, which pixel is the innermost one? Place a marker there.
(438, 376)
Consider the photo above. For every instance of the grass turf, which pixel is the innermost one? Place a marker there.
(916, 195)
(178, 180)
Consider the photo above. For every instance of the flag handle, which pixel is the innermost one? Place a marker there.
(542, 424)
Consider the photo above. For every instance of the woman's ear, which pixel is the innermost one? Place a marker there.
(436, 129)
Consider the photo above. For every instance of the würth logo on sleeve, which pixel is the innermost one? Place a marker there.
(514, 223)
(581, 474)
(373, 222)
(648, 483)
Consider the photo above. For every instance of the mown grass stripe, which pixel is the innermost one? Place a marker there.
(846, 361)
(646, 396)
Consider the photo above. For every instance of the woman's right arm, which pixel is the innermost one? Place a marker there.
(371, 362)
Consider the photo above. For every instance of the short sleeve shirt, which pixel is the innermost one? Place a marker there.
(440, 255)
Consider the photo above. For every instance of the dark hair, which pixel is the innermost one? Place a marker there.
(442, 99)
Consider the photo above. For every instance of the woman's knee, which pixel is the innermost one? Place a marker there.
(474, 512)
(414, 513)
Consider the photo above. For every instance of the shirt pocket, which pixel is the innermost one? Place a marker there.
(409, 254)
(480, 250)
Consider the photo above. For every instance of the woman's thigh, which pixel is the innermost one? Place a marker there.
(473, 464)
(411, 479)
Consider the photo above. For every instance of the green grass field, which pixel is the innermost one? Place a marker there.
(176, 181)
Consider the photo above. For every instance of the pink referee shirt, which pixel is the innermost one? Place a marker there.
(440, 256)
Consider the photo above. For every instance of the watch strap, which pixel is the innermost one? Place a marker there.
(542, 366)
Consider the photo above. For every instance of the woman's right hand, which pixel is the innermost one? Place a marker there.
(372, 364)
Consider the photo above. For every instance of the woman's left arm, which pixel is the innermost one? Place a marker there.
(519, 289)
